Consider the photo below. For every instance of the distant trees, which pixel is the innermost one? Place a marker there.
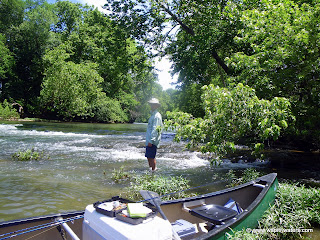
(70, 62)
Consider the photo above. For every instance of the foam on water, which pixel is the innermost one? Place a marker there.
(228, 164)
(12, 130)
(79, 170)
(188, 160)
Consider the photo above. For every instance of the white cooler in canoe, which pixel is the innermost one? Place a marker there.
(97, 226)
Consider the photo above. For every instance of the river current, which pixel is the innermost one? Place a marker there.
(80, 158)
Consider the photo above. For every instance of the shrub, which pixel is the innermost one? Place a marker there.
(232, 117)
(28, 155)
(7, 111)
(295, 207)
(162, 185)
(119, 175)
(108, 110)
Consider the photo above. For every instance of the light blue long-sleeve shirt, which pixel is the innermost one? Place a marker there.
(153, 134)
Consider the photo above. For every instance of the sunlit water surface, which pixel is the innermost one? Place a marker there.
(81, 159)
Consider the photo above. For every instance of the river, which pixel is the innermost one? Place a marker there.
(81, 159)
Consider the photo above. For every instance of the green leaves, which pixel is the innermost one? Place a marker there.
(280, 57)
(29, 155)
(232, 117)
(6, 59)
(69, 89)
(7, 111)
(63, 44)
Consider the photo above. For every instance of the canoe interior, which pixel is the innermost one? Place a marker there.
(244, 196)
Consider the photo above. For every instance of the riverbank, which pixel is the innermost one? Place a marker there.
(294, 215)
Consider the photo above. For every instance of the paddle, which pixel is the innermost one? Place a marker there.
(155, 200)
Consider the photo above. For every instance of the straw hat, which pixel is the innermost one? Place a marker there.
(154, 101)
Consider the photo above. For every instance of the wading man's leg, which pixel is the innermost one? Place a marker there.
(152, 163)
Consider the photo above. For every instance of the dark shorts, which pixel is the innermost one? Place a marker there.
(151, 151)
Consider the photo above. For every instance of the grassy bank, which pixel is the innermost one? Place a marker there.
(296, 207)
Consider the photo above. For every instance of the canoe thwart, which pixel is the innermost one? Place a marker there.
(259, 185)
(187, 205)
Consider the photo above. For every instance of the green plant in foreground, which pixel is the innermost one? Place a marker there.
(295, 207)
(162, 185)
(119, 175)
(248, 174)
(28, 155)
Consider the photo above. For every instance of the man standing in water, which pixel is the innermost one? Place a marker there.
(153, 133)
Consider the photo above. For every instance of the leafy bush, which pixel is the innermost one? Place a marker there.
(69, 90)
(162, 185)
(295, 207)
(108, 110)
(248, 175)
(28, 155)
(231, 117)
(119, 175)
(7, 111)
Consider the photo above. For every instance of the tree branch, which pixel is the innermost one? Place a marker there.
(190, 31)
(175, 18)
(220, 61)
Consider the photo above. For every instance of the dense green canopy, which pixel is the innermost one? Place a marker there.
(270, 46)
(67, 61)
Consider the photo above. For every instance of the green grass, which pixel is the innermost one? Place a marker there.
(119, 175)
(163, 185)
(295, 207)
(248, 175)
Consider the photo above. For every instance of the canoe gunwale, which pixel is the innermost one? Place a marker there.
(267, 178)
(50, 217)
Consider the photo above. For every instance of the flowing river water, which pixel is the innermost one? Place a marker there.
(81, 159)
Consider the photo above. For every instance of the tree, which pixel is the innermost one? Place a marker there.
(270, 46)
(11, 15)
(6, 60)
(232, 117)
(72, 91)
(69, 88)
(28, 42)
(281, 58)
(89, 36)
(148, 20)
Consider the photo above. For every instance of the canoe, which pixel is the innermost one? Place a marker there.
(254, 198)
(212, 216)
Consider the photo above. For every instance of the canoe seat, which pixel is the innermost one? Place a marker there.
(213, 213)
